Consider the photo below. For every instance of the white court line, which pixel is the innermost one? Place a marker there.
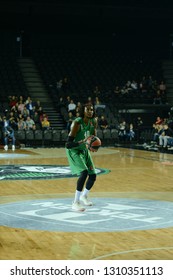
(2, 156)
(131, 251)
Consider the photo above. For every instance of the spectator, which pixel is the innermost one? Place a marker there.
(122, 131)
(36, 119)
(30, 124)
(72, 106)
(157, 131)
(40, 111)
(20, 107)
(162, 87)
(4, 122)
(25, 113)
(37, 104)
(130, 133)
(45, 124)
(89, 100)
(103, 123)
(12, 101)
(61, 103)
(30, 106)
(69, 120)
(159, 120)
(9, 135)
(21, 124)
(44, 115)
(165, 137)
(158, 97)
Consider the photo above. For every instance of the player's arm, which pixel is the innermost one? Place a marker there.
(70, 140)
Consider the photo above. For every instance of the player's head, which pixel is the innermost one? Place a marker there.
(88, 111)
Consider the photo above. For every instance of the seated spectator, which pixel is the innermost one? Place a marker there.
(30, 106)
(12, 101)
(21, 124)
(130, 133)
(78, 107)
(72, 106)
(69, 120)
(97, 101)
(9, 135)
(36, 119)
(165, 136)
(45, 124)
(99, 107)
(159, 120)
(25, 113)
(162, 88)
(103, 123)
(122, 130)
(89, 100)
(27, 100)
(30, 124)
(37, 104)
(134, 85)
(67, 100)
(158, 97)
(20, 106)
(40, 111)
(13, 119)
(21, 99)
(157, 131)
(44, 115)
(61, 103)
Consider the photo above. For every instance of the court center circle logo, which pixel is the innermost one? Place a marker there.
(39, 172)
(106, 215)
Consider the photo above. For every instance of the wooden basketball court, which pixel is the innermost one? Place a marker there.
(134, 174)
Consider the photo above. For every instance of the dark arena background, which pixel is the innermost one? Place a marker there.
(117, 55)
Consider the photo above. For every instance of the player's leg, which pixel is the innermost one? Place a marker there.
(78, 167)
(90, 181)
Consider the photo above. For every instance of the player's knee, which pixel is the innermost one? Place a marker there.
(92, 177)
(84, 173)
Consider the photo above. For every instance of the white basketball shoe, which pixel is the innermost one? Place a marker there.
(85, 200)
(77, 207)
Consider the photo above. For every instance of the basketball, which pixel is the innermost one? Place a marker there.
(93, 143)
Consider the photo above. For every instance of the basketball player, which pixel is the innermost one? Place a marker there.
(79, 156)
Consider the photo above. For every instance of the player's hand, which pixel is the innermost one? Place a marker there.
(85, 140)
(93, 150)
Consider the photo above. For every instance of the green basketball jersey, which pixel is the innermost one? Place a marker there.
(84, 131)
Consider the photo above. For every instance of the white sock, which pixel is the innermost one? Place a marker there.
(77, 196)
(85, 192)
